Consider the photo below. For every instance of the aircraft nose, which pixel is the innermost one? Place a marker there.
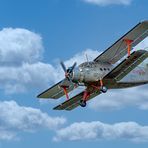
(76, 75)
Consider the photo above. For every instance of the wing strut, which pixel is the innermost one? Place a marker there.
(86, 95)
(128, 43)
(65, 92)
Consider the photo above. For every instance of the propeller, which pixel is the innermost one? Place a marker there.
(69, 70)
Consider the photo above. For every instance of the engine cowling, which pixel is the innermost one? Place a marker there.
(85, 75)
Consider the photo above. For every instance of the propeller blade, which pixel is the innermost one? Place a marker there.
(63, 66)
(68, 71)
(73, 66)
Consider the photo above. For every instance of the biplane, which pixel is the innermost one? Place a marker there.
(117, 67)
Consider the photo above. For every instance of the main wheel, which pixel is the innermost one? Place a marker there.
(82, 103)
(103, 89)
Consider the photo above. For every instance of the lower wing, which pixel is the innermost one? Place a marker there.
(56, 91)
(74, 101)
(127, 65)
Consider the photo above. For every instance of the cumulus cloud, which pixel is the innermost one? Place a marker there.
(97, 130)
(113, 100)
(19, 79)
(21, 68)
(142, 45)
(19, 46)
(20, 52)
(15, 119)
(109, 2)
(7, 135)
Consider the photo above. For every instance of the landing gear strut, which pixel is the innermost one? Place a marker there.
(82, 103)
(85, 97)
(103, 89)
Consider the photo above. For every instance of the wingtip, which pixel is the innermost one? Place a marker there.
(144, 21)
(38, 96)
(57, 107)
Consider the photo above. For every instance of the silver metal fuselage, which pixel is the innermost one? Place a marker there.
(89, 72)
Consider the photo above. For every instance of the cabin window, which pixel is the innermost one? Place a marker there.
(105, 69)
(101, 69)
(81, 69)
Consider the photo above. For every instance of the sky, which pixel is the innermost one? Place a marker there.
(34, 37)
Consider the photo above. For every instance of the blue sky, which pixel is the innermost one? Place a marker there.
(34, 36)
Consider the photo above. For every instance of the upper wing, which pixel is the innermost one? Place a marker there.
(119, 49)
(56, 91)
(74, 101)
(127, 65)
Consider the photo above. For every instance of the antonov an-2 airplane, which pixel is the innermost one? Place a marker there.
(117, 67)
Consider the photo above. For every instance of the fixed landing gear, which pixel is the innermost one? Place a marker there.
(82, 103)
(86, 95)
(103, 89)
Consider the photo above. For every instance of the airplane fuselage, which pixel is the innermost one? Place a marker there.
(93, 71)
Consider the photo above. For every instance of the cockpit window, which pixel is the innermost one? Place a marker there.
(86, 64)
(101, 69)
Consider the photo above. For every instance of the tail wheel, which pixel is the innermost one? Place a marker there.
(82, 103)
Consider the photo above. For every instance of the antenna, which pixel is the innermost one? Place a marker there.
(86, 57)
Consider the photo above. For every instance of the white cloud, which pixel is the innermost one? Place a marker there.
(15, 119)
(97, 130)
(26, 76)
(109, 2)
(7, 135)
(20, 52)
(20, 61)
(19, 46)
(118, 99)
(142, 45)
(21, 66)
